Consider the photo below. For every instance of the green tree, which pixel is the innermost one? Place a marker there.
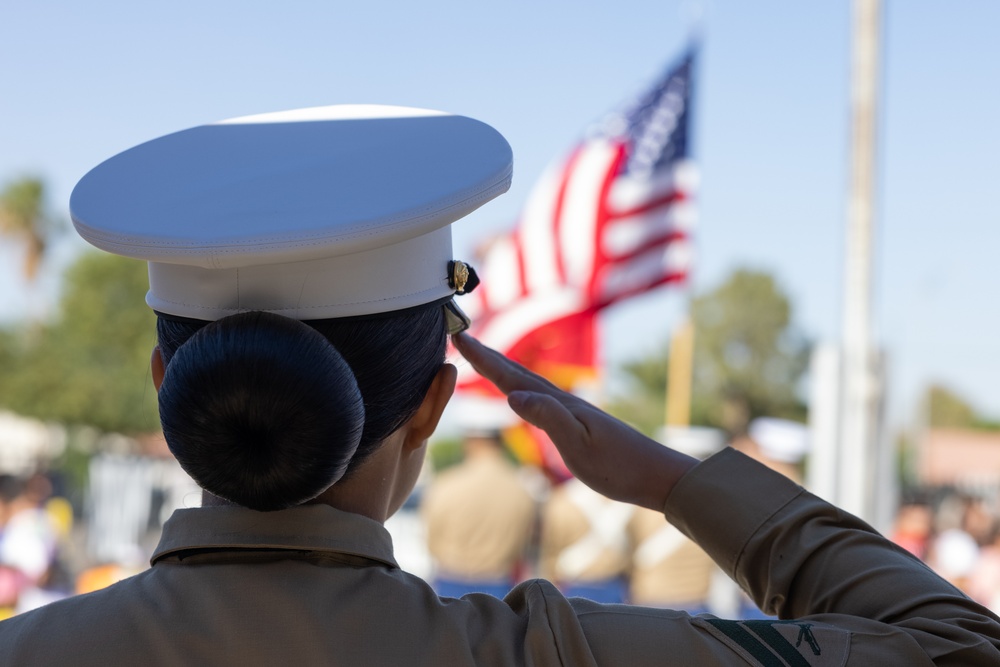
(644, 407)
(91, 365)
(749, 357)
(947, 409)
(22, 217)
(748, 360)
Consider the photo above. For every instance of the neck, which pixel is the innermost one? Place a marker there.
(209, 499)
(380, 485)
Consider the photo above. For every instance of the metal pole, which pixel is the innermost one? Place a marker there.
(679, 375)
(823, 467)
(858, 456)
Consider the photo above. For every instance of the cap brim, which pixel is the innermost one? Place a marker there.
(455, 320)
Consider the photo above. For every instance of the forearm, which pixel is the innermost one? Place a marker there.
(797, 555)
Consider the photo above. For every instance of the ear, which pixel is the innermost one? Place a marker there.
(156, 367)
(426, 419)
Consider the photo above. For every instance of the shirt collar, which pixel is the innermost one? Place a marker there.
(316, 528)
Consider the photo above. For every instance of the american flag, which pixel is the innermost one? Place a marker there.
(609, 221)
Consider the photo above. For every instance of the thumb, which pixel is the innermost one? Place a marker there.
(543, 411)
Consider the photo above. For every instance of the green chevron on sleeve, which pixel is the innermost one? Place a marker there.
(750, 643)
(765, 630)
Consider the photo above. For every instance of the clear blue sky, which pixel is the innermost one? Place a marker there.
(82, 81)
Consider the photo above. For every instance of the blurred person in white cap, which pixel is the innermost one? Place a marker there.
(780, 444)
(479, 515)
(300, 264)
(668, 569)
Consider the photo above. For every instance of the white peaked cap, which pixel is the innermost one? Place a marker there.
(697, 441)
(780, 439)
(483, 415)
(315, 213)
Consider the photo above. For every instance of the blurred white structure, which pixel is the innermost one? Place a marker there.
(129, 499)
(26, 443)
(697, 441)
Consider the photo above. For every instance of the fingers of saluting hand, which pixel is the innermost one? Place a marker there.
(601, 451)
(551, 415)
(507, 375)
(532, 397)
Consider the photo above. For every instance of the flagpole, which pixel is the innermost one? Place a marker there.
(860, 391)
(679, 372)
(680, 363)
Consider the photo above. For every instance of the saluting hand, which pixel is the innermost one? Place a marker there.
(605, 454)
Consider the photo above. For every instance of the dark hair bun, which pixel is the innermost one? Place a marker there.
(261, 410)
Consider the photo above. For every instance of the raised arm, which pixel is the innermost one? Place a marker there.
(836, 579)
(605, 454)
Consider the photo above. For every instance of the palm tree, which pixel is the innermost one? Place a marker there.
(22, 217)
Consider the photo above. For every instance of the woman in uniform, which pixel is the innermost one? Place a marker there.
(301, 270)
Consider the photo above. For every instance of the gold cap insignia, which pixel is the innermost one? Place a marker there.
(459, 276)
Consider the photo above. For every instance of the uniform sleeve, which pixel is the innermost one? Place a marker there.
(826, 573)
(846, 597)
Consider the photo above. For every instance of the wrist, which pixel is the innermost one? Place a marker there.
(658, 476)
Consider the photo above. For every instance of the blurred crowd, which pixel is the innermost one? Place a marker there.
(491, 523)
(51, 548)
(34, 529)
(482, 524)
(958, 535)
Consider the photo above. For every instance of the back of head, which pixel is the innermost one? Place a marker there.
(268, 412)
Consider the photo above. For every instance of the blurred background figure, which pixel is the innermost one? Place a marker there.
(585, 548)
(480, 519)
(668, 570)
(30, 572)
(11, 578)
(984, 579)
(781, 445)
(914, 527)
(954, 550)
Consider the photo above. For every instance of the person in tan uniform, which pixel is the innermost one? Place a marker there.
(781, 445)
(584, 545)
(305, 434)
(479, 520)
(667, 569)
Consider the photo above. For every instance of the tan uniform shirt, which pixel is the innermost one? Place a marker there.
(584, 536)
(316, 586)
(668, 569)
(479, 519)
